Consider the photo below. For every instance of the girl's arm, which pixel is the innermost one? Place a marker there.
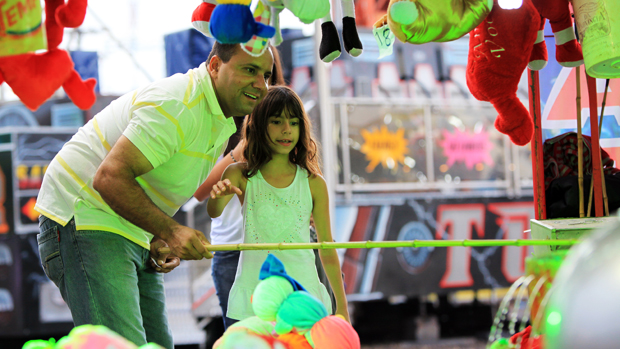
(329, 258)
(202, 193)
(223, 190)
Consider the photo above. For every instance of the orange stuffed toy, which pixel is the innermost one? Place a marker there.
(499, 50)
(34, 77)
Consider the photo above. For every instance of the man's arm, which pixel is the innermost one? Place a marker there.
(116, 181)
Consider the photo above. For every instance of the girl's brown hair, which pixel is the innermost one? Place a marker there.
(256, 151)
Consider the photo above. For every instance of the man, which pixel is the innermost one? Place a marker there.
(108, 196)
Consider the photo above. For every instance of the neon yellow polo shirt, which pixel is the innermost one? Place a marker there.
(178, 126)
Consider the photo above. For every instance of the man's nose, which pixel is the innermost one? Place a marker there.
(261, 84)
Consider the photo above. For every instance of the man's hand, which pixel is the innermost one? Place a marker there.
(188, 243)
(224, 188)
(162, 263)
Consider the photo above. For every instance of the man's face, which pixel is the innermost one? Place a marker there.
(241, 82)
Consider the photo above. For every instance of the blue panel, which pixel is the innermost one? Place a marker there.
(185, 50)
(87, 65)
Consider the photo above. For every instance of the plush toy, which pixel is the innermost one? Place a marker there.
(422, 21)
(306, 11)
(232, 22)
(330, 42)
(499, 50)
(335, 332)
(34, 77)
(201, 17)
(524, 340)
(89, 337)
(567, 49)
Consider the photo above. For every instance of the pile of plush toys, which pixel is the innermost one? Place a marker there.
(286, 316)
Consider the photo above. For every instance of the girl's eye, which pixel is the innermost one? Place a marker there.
(250, 70)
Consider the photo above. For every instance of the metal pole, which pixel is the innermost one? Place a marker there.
(382, 244)
(327, 125)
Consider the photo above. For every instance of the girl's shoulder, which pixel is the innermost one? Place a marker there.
(235, 170)
(317, 183)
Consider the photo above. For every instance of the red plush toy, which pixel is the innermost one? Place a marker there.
(499, 50)
(525, 340)
(567, 49)
(34, 77)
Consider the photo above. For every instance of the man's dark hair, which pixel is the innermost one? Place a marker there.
(224, 51)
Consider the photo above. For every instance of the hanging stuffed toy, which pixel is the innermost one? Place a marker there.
(422, 21)
(34, 77)
(567, 49)
(232, 22)
(201, 17)
(499, 50)
(330, 42)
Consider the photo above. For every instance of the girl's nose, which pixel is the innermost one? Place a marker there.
(287, 127)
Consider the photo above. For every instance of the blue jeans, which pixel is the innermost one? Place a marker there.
(223, 270)
(105, 279)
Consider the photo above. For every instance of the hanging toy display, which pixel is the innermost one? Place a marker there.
(205, 19)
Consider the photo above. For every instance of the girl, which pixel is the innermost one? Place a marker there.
(279, 186)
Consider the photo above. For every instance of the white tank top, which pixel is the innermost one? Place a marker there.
(275, 215)
(228, 227)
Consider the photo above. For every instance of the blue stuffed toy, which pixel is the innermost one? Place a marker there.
(232, 22)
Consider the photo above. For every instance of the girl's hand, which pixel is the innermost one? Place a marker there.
(224, 188)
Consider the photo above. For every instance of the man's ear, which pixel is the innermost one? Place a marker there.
(213, 66)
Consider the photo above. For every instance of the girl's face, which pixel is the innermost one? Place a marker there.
(283, 132)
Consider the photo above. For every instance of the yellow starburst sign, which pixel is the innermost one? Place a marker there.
(385, 147)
